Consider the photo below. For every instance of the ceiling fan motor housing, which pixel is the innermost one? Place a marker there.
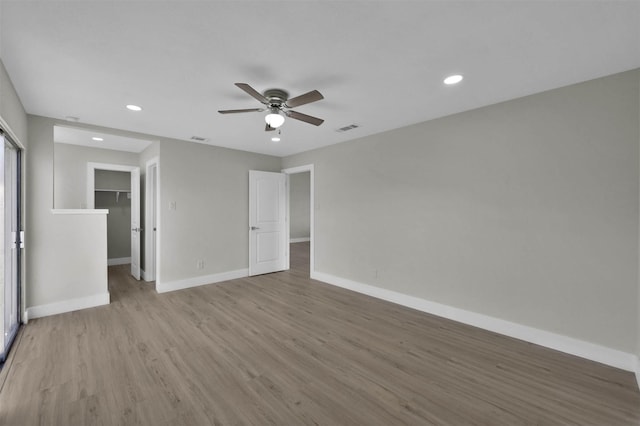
(276, 97)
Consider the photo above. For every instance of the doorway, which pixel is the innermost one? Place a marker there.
(113, 193)
(301, 206)
(134, 194)
(269, 220)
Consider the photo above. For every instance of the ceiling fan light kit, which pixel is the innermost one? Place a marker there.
(279, 105)
(274, 119)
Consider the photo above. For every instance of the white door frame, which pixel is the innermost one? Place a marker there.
(135, 193)
(151, 202)
(312, 223)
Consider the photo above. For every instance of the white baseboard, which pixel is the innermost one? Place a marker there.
(602, 354)
(119, 261)
(163, 287)
(67, 306)
(299, 240)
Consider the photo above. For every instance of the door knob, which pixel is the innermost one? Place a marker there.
(254, 228)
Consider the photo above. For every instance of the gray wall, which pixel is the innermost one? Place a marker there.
(119, 206)
(70, 171)
(63, 270)
(11, 109)
(208, 184)
(525, 210)
(210, 188)
(66, 254)
(299, 204)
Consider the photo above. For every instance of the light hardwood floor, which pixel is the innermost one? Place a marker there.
(283, 349)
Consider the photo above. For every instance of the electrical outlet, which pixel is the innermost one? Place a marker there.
(200, 264)
(172, 205)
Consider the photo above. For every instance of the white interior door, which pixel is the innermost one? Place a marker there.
(135, 223)
(154, 220)
(151, 220)
(267, 222)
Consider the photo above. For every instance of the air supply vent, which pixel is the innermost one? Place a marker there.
(199, 139)
(347, 128)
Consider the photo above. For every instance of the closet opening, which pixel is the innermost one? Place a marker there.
(117, 188)
(113, 193)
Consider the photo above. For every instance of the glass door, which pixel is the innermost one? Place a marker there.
(11, 243)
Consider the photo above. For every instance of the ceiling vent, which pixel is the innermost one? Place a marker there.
(347, 128)
(199, 139)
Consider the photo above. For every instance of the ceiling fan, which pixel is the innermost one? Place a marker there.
(277, 102)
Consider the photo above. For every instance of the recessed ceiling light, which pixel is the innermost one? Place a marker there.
(275, 139)
(71, 118)
(453, 79)
(95, 138)
(134, 107)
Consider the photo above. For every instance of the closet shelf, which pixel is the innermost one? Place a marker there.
(117, 191)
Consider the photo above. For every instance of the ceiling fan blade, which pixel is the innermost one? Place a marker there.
(307, 98)
(253, 92)
(235, 111)
(268, 128)
(304, 117)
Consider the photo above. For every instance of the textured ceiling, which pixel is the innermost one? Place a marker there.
(379, 64)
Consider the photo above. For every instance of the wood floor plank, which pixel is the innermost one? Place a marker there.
(282, 349)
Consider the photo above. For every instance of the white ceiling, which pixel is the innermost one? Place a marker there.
(379, 64)
(83, 137)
